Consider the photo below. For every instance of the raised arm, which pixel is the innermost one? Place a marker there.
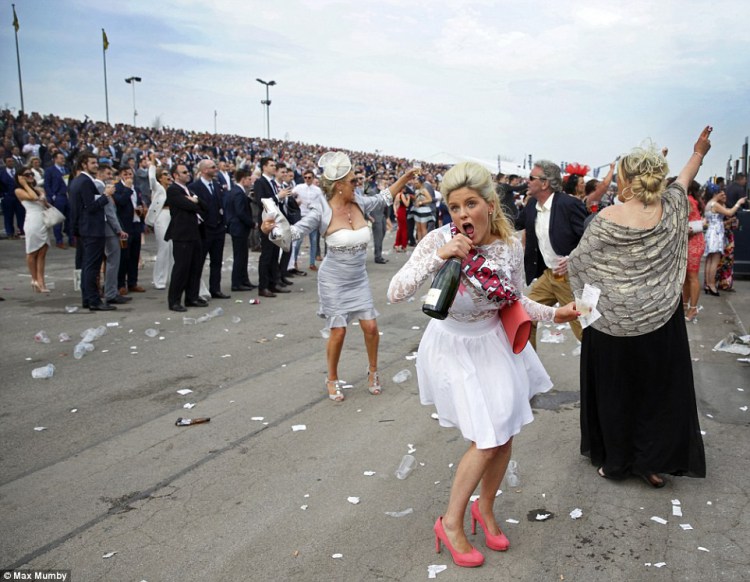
(399, 184)
(724, 211)
(700, 149)
(601, 187)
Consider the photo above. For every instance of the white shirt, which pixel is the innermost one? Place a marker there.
(541, 226)
(305, 195)
(133, 201)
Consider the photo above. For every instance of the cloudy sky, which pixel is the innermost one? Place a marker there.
(576, 81)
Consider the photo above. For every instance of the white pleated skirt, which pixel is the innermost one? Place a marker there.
(469, 372)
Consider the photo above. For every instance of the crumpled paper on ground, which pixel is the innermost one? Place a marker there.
(734, 345)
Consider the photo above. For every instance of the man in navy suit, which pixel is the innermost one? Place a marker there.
(214, 228)
(87, 219)
(224, 177)
(11, 205)
(130, 212)
(186, 211)
(553, 221)
(268, 264)
(57, 193)
(239, 218)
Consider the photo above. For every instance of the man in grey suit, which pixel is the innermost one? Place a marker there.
(379, 219)
(113, 234)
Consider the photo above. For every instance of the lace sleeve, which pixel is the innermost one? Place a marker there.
(536, 311)
(423, 262)
(308, 223)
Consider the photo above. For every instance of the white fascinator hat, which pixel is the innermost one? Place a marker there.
(335, 165)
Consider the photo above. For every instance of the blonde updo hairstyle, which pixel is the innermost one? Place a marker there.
(476, 177)
(644, 172)
(328, 185)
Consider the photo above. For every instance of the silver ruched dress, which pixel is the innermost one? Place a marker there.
(344, 292)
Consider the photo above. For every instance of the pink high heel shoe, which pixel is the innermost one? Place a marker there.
(499, 542)
(471, 559)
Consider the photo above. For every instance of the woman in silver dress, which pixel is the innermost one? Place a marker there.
(343, 287)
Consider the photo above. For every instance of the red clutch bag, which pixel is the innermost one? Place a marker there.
(517, 325)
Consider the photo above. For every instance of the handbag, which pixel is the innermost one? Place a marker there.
(517, 325)
(51, 216)
(695, 226)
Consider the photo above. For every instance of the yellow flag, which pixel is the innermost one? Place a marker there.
(105, 42)
(15, 19)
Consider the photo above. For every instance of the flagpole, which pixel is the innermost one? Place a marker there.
(104, 57)
(18, 56)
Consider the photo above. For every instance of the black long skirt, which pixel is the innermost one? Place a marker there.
(638, 411)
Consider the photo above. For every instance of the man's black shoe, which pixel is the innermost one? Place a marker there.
(242, 288)
(266, 293)
(196, 303)
(177, 307)
(220, 295)
(286, 281)
(120, 300)
(296, 273)
(381, 261)
(102, 307)
(278, 290)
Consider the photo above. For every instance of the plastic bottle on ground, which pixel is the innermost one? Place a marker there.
(216, 312)
(511, 474)
(41, 337)
(82, 348)
(406, 466)
(402, 376)
(43, 372)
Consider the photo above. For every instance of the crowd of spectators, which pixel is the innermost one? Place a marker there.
(28, 136)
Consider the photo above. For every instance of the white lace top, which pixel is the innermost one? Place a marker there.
(470, 305)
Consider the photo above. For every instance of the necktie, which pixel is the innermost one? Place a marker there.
(211, 188)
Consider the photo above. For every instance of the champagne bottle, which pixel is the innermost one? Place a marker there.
(443, 289)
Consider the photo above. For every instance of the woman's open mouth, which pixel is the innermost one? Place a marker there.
(468, 229)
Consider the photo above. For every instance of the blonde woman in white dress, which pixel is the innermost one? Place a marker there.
(37, 233)
(466, 366)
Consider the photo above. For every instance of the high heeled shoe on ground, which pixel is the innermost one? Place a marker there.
(373, 382)
(34, 286)
(709, 291)
(470, 559)
(692, 313)
(337, 395)
(499, 542)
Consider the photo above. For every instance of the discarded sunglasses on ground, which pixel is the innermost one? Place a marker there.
(190, 421)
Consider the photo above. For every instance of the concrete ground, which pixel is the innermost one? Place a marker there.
(246, 497)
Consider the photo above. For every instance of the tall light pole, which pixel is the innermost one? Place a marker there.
(267, 103)
(132, 81)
